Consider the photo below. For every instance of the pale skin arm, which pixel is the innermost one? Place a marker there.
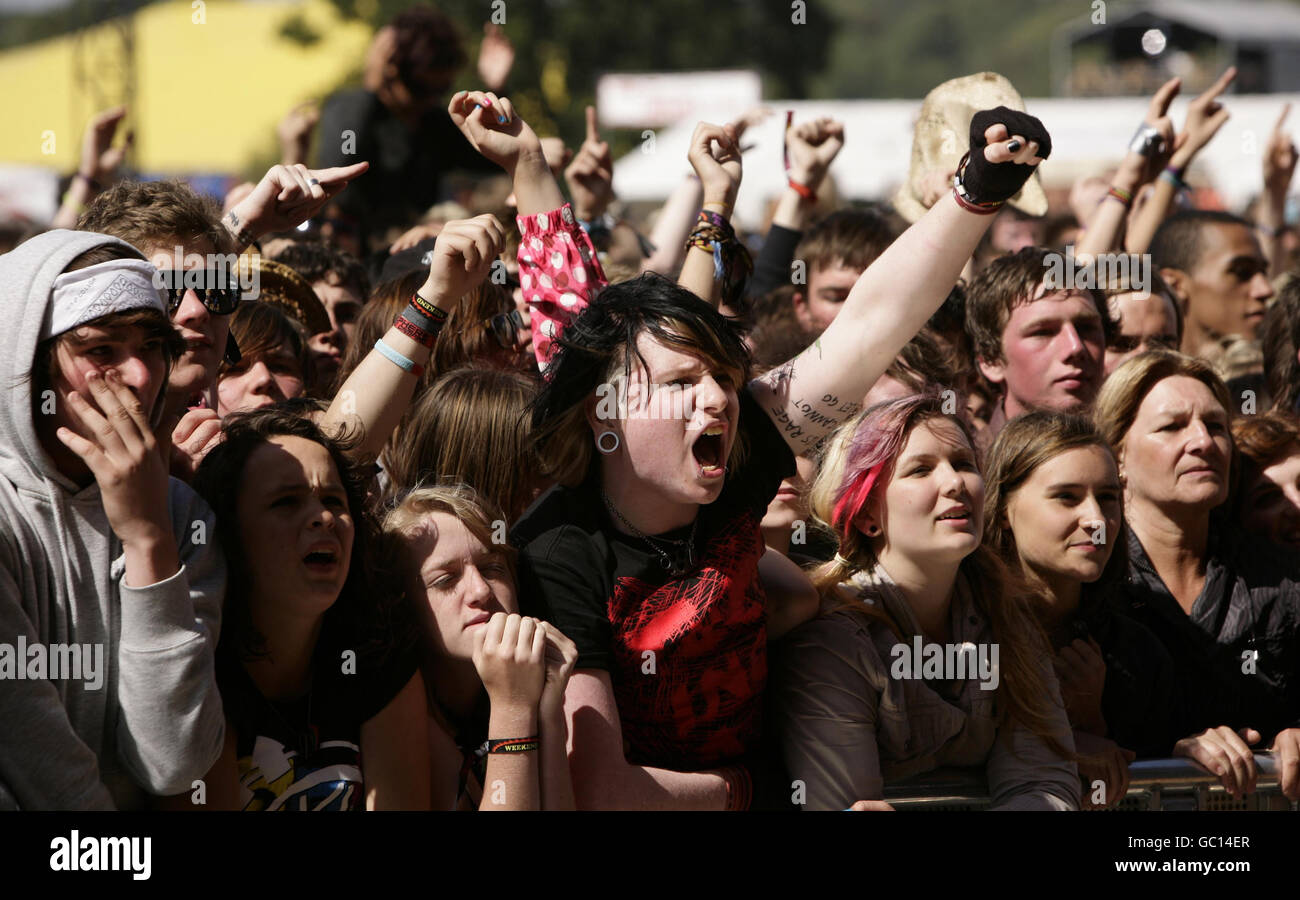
(99, 160)
(888, 305)
(510, 656)
(395, 752)
(557, 783)
(812, 147)
(602, 776)
(1279, 167)
(719, 172)
(791, 597)
(378, 391)
(674, 224)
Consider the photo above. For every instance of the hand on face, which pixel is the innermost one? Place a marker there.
(109, 431)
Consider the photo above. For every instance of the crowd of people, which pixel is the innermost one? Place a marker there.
(509, 503)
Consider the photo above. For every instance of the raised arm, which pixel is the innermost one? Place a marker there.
(719, 171)
(99, 160)
(552, 244)
(1205, 116)
(372, 400)
(1270, 215)
(811, 147)
(809, 396)
(286, 197)
(1147, 156)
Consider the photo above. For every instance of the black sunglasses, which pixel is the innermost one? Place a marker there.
(506, 327)
(218, 291)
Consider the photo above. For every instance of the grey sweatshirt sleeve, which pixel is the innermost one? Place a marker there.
(45, 764)
(172, 726)
(1028, 775)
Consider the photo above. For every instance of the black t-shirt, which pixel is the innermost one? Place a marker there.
(305, 754)
(406, 165)
(687, 655)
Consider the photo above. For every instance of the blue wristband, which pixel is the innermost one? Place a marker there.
(404, 362)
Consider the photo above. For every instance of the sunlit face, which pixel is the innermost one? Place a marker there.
(680, 425)
(126, 353)
(1177, 452)
(260, 381)
(790, 504)
(204, 333)
(1228, 290)
(296, 527)
(933, 506)
(462, 580)
(1146, 321)
(1052, 351)
(1271, 503)
(828, 286)
(1066, 515)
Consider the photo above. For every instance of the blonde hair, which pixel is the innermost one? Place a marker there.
(1124, 390)
(408, 517)
(872, 440)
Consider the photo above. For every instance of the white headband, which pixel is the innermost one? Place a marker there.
(108, 287)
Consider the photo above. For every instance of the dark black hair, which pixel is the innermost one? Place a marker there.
(363, 616)
(1177, 243)
(315, 262)
(606, 334)
(425, 40)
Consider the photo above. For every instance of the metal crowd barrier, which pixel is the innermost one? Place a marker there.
(1154, 784)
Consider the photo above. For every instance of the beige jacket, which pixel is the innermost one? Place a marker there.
(847, 724)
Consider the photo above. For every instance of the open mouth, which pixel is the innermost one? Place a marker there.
(321, 560)
(709, 449)
(960, 515)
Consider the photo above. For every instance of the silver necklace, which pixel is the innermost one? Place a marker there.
(673, 564)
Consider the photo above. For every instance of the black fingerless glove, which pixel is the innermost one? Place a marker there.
(987, 182)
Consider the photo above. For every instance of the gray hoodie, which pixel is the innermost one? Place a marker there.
(155, 721)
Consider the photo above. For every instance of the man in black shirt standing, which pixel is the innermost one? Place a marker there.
(399, 121)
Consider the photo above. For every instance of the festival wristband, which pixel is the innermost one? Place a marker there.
(803, 191)
(429, 309)
(1174, 176)
(1121, 195)
(415, 332)
(514, 745)
(400, 360)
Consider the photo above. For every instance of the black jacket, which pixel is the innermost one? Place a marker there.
(1237, 653)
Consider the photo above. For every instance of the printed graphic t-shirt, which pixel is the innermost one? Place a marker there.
(687, 655)
(305, 754)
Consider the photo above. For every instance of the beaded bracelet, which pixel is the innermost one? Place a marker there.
(400, 360)
(514, 745)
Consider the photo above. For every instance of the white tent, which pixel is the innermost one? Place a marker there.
(1087, 136)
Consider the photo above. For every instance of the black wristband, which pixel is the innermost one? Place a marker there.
(987, 182)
